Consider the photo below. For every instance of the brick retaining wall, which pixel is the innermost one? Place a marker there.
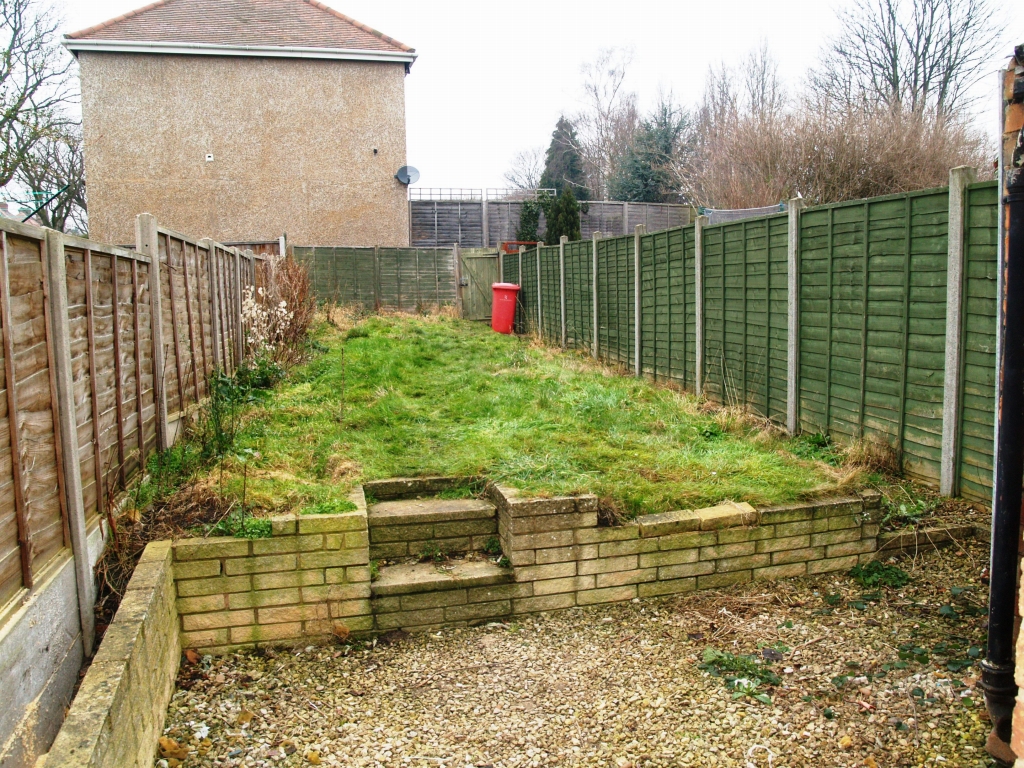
(312, 577)
(562, 558)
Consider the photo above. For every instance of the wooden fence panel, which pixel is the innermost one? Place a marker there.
(873, 293)
(529, 291)
(33, 525)
(398, 278)
(714, 313)
(551, 295)
(977, 396)
(579, 317)
(615, 292)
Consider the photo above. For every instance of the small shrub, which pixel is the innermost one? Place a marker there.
(258, 373)
(493, 546)
(878, 574)
(432, 551)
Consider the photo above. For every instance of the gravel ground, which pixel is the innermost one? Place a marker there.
(623, 685)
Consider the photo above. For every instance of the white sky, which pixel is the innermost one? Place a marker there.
(493, 77)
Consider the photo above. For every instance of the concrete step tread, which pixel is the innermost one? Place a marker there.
(433, 577)
(411, 511)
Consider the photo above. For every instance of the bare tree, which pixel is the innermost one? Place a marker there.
(762, 86)
(54, 175)
(34, 82)
(607, 124)
(752, 147)
(909, 54)
(526, 168)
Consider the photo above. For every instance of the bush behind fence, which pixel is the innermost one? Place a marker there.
(835, 319)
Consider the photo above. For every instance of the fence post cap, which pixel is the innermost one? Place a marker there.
(563, 239)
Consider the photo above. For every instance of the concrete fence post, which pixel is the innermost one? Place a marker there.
(282, 245)
(540, 301)
(698, 289)
(147, 243)
(793, 317)
(637, 304)
(561, 283)
(593, 280)
(237, 309)
(67, 433)
(486, 227)
(959, 178)
(625, 218)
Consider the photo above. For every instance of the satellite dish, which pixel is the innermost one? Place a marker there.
(407, 175)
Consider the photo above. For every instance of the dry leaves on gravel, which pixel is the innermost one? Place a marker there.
(876, 679)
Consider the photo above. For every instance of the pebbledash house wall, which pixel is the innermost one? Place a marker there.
(292, 141)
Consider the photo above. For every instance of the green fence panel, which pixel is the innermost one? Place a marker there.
(872, 323)
(409, 279)
(579, 317)
(745, 311)
(778, 317)
(714, 315)
(528, 292)
(978, 377)
(615, 292)
(683, 311)
(551, 295)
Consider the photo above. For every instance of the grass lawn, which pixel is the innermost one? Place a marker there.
(400, 396)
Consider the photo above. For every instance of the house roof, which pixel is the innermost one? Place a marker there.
(241, 27)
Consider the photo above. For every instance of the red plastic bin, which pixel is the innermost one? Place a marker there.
(503, 309)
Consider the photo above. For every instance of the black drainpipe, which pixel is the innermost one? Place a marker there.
(997, 670)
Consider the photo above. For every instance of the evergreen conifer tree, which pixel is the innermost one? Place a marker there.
(563, 217)
(643, 175)
(563, 166)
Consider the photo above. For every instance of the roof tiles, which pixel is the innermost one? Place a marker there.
(284, 23)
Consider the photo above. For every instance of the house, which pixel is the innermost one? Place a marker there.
(241, 120)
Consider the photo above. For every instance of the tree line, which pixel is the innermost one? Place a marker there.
(886, 109)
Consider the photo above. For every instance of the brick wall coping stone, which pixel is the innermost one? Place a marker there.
(118, 714)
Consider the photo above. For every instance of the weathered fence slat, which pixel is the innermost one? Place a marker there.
(97, 441)
(17, 470)
(191, 325)
(137, 331)
(175, 335)
(115, 309)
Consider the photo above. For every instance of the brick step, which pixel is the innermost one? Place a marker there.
(414, 526)
(433, 577)
(418, 511)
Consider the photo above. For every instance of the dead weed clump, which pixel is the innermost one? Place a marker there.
(874, 455)
(192, 508)
(609, 512)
